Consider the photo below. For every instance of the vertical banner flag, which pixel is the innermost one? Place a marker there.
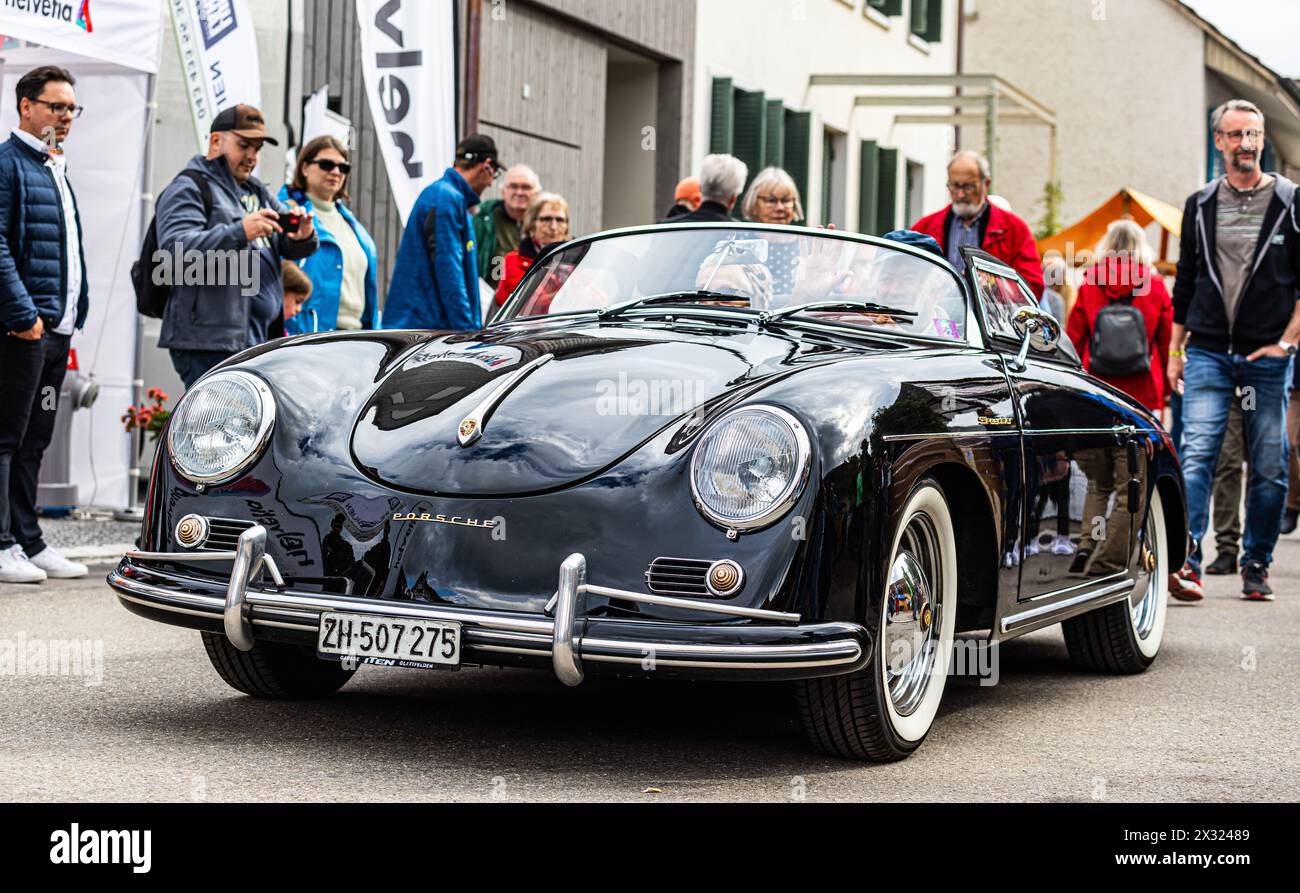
(408, 61)
(218, 51)
(124, 32)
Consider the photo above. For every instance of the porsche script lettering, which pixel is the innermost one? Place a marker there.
(426, 518)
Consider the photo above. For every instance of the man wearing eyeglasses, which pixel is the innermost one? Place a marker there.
(972, 220)
(1235, 333)
(43, 299)
(435, 279)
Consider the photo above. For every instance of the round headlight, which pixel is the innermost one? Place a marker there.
(220, 427)
(750, 466)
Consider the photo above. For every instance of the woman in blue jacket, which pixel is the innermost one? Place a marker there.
(343, 270)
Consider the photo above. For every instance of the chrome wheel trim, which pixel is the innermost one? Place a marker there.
(912, 614)
(1143, 612)
(928, 502)
(1147, 614)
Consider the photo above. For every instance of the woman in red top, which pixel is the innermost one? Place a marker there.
(1124, 267)
(545, 222)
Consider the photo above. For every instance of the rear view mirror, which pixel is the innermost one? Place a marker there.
(742, 251)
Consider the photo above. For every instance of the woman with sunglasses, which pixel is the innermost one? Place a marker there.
(343, 270)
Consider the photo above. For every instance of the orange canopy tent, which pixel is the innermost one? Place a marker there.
(1143, 209)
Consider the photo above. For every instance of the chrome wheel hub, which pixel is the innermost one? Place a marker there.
(912, 615)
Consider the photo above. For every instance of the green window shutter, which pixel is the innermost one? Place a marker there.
(927, 19)
(934, 21)
(887, 7)
(887, 189)
(722, 120)
(750, 129)
(774, 150)
(868, 187)
(827, 163)
(798, 149)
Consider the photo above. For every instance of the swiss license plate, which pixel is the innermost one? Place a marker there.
(389, 641)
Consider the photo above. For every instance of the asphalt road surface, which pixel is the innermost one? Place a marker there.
(1214, 719)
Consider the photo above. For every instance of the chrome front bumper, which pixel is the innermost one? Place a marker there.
(774, 644)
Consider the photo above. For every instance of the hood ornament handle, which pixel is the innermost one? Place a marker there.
(471, 427)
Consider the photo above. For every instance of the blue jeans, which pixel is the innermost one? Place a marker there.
(1211, 382)
(191, 365)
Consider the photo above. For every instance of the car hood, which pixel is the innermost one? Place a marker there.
(583, 397)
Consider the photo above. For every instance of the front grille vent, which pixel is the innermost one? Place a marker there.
(223, 534)
(679, 576)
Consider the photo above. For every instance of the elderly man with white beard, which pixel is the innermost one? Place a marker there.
(972, 220)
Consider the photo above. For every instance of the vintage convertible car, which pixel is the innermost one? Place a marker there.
(713, 451)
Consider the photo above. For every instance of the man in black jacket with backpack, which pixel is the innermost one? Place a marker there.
(1235, 334)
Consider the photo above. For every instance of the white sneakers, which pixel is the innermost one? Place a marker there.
(56, 566)
(16, 567)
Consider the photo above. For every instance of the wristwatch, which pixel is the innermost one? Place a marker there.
(1288, 347)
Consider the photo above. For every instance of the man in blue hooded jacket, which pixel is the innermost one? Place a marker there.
(435, 279)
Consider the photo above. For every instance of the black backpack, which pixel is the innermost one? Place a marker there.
(1119, 345)
(150, 297)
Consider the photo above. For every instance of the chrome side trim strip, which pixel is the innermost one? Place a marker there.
(1086, 584)
(1045, 613)
(1032, 432)
(938, 435)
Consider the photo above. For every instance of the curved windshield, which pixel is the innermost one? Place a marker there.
(757, 269)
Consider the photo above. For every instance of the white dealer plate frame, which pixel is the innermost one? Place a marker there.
(389, 641)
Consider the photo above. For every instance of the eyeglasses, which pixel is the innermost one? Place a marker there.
(787, 201)
(554, 221)
(1236, 136)
(327, 165)
(963, 187)
(62, 108)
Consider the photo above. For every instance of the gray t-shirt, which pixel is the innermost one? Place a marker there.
(1238, 223)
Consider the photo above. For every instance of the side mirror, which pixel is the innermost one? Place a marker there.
(1038, 329)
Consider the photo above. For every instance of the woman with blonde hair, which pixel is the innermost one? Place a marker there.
(773, 198)
(544, 223)
(1127, 350)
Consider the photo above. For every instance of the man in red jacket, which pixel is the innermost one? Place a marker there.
(972, 220)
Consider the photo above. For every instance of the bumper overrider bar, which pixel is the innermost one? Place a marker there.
(776, 642)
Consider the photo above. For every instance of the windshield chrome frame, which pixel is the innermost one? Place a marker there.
(971, 322)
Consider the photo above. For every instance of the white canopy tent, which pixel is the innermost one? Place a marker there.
(115, 61)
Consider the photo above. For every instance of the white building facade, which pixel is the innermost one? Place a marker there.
(856, 167)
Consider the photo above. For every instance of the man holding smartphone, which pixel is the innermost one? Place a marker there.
(217, 207)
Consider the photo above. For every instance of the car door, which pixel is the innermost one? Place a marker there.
(1076, 530)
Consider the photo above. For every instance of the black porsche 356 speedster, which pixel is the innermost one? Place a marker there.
(713, 451)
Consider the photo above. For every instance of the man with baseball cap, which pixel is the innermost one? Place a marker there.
(435, 280)
(216, 204)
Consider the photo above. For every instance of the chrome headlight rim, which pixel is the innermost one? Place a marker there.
(266, 402)
(794, 488)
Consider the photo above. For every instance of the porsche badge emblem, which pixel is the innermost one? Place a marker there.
(927, 617)
(467, 429)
